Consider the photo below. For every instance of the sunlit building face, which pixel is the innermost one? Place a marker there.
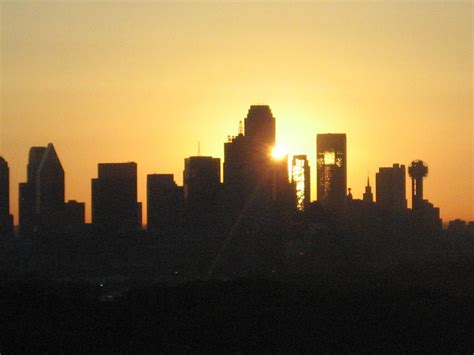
(332, 169)
(300, 176)
(329, 158)
(298, 179)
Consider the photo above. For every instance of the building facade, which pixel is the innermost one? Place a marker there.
(164, 203)
(42, 196)
(301, 178)
(114, 198)
(331, 162)
(390, 189)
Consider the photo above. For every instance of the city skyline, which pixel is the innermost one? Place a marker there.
(166, 80)
(255, 173)
(408, 185)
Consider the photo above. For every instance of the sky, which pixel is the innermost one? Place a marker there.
(147, 81)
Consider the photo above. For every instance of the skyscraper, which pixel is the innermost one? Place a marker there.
(114, 198)
(253, 180)
(248, 156)
(390, 190)
(6, 219)
(331, 161)
(201, 183)
(260, 128)
(300, 176)
(42, 196)
(165, 202)
(368, 196)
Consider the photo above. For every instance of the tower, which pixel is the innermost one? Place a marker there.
(425, 214)
(418, 170)
(331, 156)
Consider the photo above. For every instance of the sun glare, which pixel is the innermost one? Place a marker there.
(278, 153)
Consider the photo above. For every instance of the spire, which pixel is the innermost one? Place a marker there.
(368, 196)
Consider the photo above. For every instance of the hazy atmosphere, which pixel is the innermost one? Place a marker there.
(145, 82)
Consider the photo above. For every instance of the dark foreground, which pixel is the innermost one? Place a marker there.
(403, 311)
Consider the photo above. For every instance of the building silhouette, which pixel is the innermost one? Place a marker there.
(390, 189)
(301, 178)
(42, 196)
(331, 156)
(164, 203)
(253, 180)
(424, 213)
(74, 214)
(202, 186)
(368, 196)
(114, 198)
(418, 170)
(247, 157)
(6, 219)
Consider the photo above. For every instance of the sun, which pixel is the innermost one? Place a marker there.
(279, 153)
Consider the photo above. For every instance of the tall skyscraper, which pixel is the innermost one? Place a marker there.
(331, 161)
(253, 180)
(42, 196)
(114, 198)
(300, 176)
(390, 190)
(6, 219)
(248, 156)
(165, 203)
(260, 128)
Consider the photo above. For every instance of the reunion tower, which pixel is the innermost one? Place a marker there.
(417, 171)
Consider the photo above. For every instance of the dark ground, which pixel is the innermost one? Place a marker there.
(400, 311)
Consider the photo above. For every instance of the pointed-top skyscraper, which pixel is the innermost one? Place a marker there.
(368, 196)
(42, 196)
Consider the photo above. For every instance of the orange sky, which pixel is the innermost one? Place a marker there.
(144, 82)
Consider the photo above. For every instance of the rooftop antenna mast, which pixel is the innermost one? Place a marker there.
(241, 128)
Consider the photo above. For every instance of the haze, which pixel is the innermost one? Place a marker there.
(144, 82)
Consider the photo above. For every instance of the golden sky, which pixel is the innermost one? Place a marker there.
(145, 81)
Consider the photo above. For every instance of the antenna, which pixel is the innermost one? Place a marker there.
(241, 128)
(199, 148)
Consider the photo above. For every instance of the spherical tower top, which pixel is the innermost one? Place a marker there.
(418, 169)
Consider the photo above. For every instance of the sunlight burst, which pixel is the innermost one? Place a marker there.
(278, 153)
